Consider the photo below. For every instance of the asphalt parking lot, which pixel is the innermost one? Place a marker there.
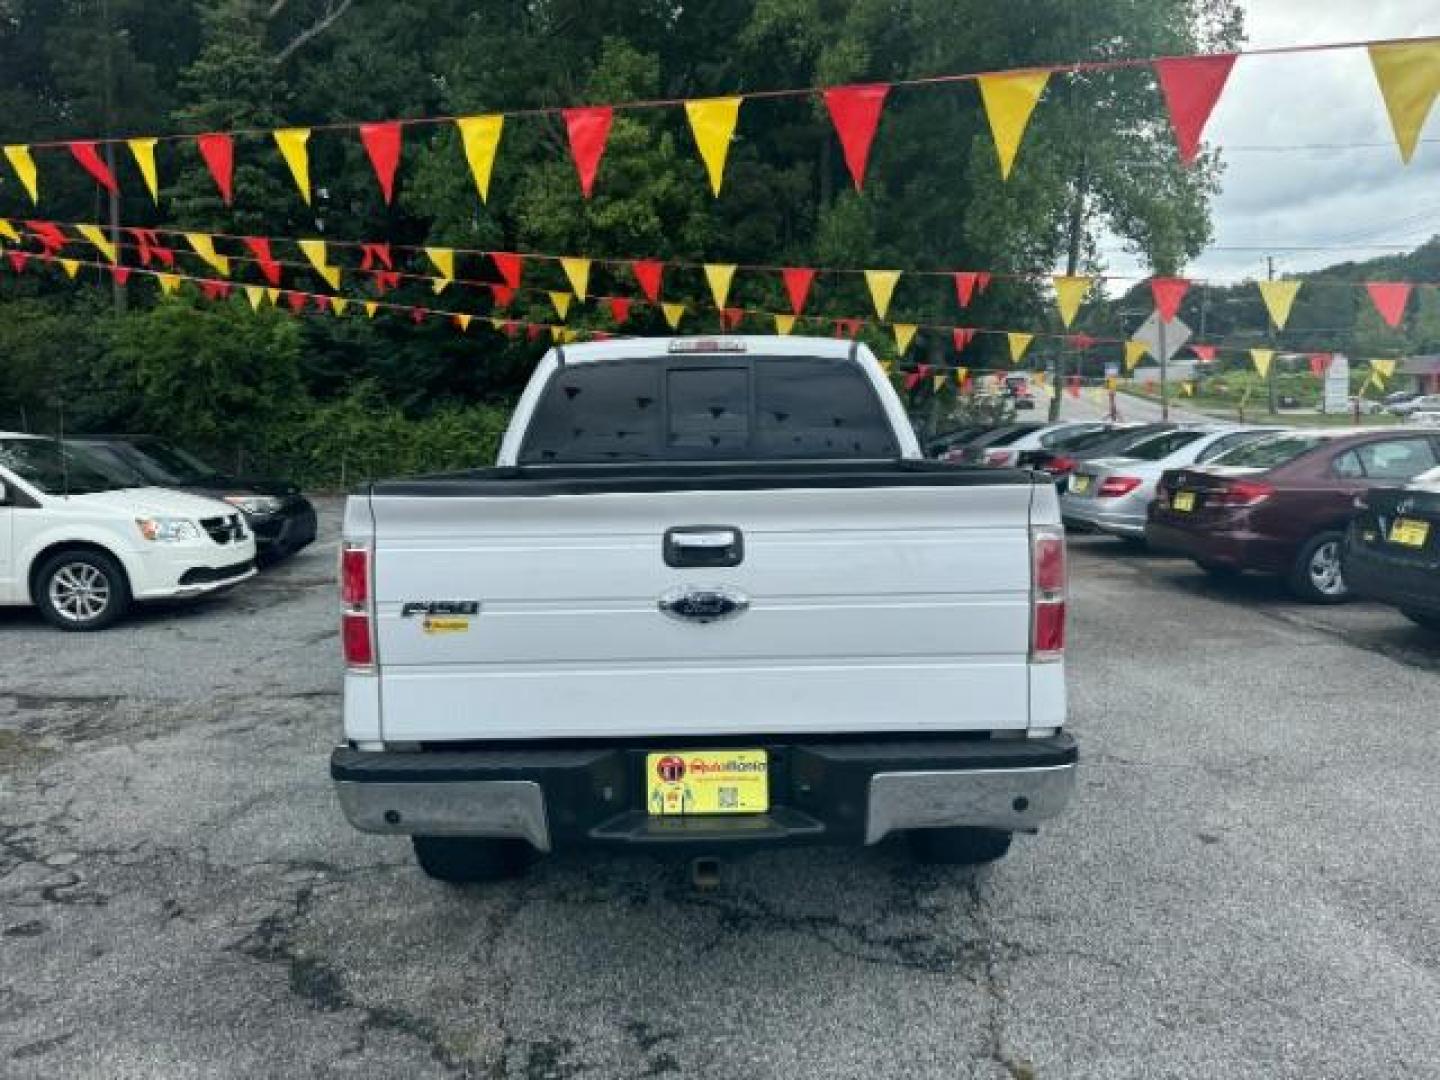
(1247, 885)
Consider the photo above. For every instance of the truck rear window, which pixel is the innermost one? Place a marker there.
(708, 409)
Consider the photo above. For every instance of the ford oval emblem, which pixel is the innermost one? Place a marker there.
(703, 605)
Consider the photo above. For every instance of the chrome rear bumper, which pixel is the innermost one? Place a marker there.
(502, 809)
(1009, 799)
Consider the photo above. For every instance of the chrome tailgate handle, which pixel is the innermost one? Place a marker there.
(703, 546)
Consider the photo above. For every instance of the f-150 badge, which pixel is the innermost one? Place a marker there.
(703, 605)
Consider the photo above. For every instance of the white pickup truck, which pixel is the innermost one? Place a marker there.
(710, 596)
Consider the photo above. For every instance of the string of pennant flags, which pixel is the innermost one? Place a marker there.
(1407, 72)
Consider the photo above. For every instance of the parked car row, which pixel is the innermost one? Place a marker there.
(91, 525)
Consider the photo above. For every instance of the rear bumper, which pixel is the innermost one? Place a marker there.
(1401, 582)
(1120, 520)
(843, 792)
(1220, 546)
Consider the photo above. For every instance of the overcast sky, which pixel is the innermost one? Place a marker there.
(1340, 199)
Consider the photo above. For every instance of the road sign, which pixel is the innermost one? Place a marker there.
(1177, 333)
(1337, 384)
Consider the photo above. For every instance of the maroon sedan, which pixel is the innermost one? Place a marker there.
(1281, 505)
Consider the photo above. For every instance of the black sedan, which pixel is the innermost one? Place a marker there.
(281, 518)
(1392, 549)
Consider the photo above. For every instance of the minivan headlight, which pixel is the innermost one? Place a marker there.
(168, 530)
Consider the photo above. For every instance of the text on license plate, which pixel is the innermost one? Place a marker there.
(1409, 532)
(1184, 501)
(708, 782)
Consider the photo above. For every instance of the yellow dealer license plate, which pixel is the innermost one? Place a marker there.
(1409, 532)
(708, 782)
(1184, 501)
(1081, 484)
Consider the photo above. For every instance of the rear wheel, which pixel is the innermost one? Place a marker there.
(81, 589)
(1317, 576)
(1429, 620)
(468, 860)
(959, 846)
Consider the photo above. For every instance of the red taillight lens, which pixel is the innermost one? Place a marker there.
(1061, 466)
(355, 634)
(1240, 493)
(997, 457)
(1112, 487)
(355, 575)
(1047, 594)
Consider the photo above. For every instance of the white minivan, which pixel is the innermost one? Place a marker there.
(81, 546)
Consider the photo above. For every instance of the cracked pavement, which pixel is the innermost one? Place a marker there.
(1247, 885)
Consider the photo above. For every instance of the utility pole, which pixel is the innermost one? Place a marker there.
(1164, 370)
(1072, 265)
(117, 290)
(1270, 342)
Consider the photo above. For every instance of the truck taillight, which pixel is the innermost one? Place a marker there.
(356, 633)
(1047, 594)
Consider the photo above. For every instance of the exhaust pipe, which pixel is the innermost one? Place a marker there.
(705, 873)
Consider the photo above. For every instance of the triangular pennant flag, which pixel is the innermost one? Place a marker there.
(1389, 299)
(96, 236)
(1279, 297)
(256, 295)
(1018, 344)
(260, 247)
(557, 334)
(143, 151)
(912, 380)
(887, 366)
(215, 290)
(855, 112)
(462, 322)
(939, 382)
(1069, 291)
(1261, 359)
(340, 304)
(218, 150)
(18, 259)
(1079, 341)
(480, 136)
(371, 306)
(204, 246)
(273, 295)
(1383, 368)
(730, 317)
(314, 251)
(1009, 100)
(648, 272)
(965, 287)
(292, 143)
(904, 334)
(561, 301)
(882, 289)
(1204, 353)
(1191, 85)
(1167, 293)
(71, 267)
(24, 166)
(1409, 76)
(619, 309)
(588, 130)
(169, 283)
(510, 266)
(9, 232)
(578, 272)
(443, 259)
(51, 238)
(376, 254)
(962, 375)
(322, 302)
(719, 275)
(1134, 351)
(1320, 363)
(89, 159)
(382, 145)
(1188, 387)
(798, 280)
(982, 280)
(712, 120)
(673, 314)
(297, 301)
(960, 337)
(784, 324)
(503, 295)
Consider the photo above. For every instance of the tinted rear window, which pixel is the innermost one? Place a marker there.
(1270, 453)
(699, 408)
(1161, 446)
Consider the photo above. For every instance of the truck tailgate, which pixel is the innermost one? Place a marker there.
(900, 608)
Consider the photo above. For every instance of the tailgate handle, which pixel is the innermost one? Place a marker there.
(704, 546)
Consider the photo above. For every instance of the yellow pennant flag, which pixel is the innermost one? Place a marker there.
(273, 295)
(143, 151)
(557, 334)
(719, 275)
(71, 267)
(904, 334)
(1188, 387)
(371, 306)
(578, 271)
(1383, 368)
(713, 122)
(882, 289)
(96, 236)
(1009, 100)
(292, 148)
(481, 136)
(314, 251)
(673, 314)
(1279, 297)
(256, 295)
(338, 304)
(169, 283)
(24, 166)
(784, 324)
(939, 381)
(1409, 76)
(1069, 291)
(961, 374)
(204, 246)
(1018, 344)
(561, 300)
(463, 321)
(1134, 351)
(887, 366)
(1261, 359)
(8, 231)
(443, 259)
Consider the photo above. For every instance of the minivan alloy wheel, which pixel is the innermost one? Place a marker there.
(79, 591)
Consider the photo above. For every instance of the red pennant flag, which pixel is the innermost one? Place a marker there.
(373, 255)
(912, 380)
(215, 290)
(962, 336)
(848, 327)
(1191, 85)
(855, 112)
(1205, 353)
(1072, 384)
(647, 272)
(1389, 299)
(600, 335)
(382, 143)
(86, 155)
(619, 308)
(532, 331)
(322, 302)
(417, 315)
(1319, 364)
(51, 238)
(982, 279)
(730, 317)
(121, 274)
(260, 247)
(144, 238)
(588, 129)
(965, 282)
(219, 153)
(798, 280)
(1168, 292)
(18, 259)
(503, 295)
(296, 300)
(967, 385)
(165, 255)
(510, 267)
(1080, 341)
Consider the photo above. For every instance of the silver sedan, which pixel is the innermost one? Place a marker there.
(1113, 494)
